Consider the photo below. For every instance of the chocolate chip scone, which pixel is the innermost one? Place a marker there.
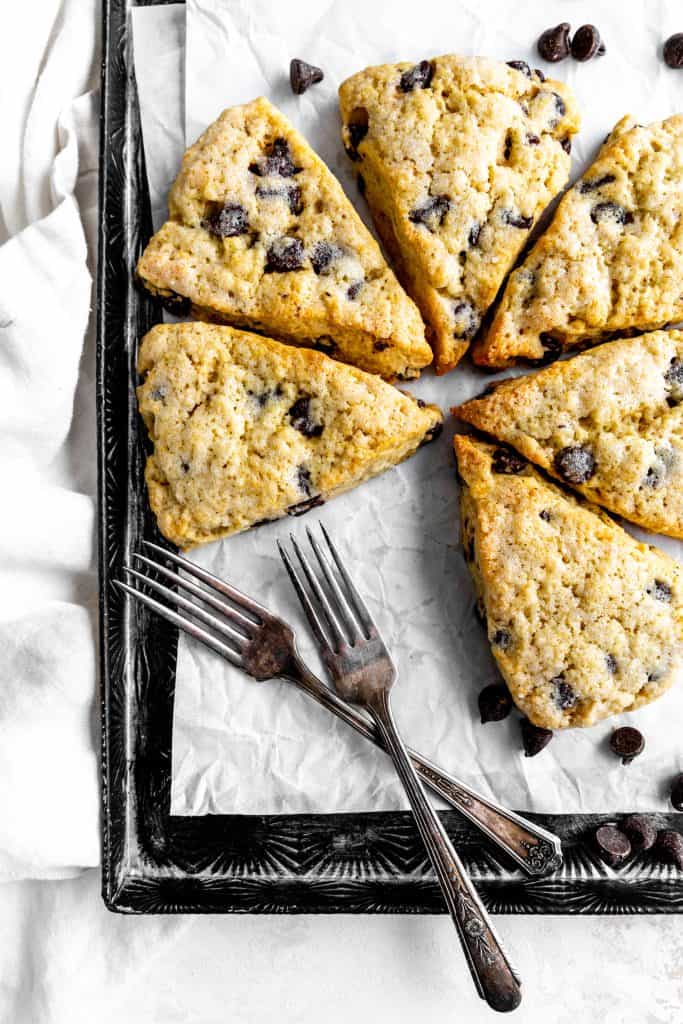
(246, 429)
(457, 156)
(608, 422)
(583, 621)
(261, 235)
(612, 258)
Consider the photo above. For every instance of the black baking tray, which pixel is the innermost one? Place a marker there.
(338, 863)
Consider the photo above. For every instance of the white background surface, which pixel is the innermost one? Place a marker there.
(65, 960)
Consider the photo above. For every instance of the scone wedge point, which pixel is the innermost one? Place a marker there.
(583, 620)
(246, 429)
(260, 235)
(457, 157)
(608, 422)
(611, 260)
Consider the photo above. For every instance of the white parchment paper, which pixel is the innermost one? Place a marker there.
(245, 747)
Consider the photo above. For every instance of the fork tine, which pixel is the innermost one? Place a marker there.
(321, 597)
(213, 581)
(247, 625)
(311, 613)
(344, 607)
(238, 640)
(362, 612)
(185, 624)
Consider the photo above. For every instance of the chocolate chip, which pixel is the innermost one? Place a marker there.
(591, 185)
(560, 111)
(515, 219)
(553, 44)
(520, 65)
(566, 144)
(534, 739)
(185, 466)
(673, 51)
(302, 76)
(677, 793)
(357, 131)
(508, 462)
(277, 161)
(323, 254)
(611, 212)
(611, 663)
(300, 418)
(674, 380)
(158, 394)
(640, 831)
(563, 693)
(466, 319)
(502, 638)
(263, 397)
(229, 221)
(575, 464)
(613, 846)
(419, 76)
(552, 350)
(380, 346)
(495, 703)
(431, 212)
(654, 478)
(305, 506)
(303, 479)
(290, 193)
(325, 344)
(475, 231)
(532, 140)
(507, 149)
(668, 847)
(545, 515)
(539, 74)
(353, 291)
(661, 591)
(178, 305)
(431, 434)
(627, 743)
(284, 254)
(360, 181)
(587, 43)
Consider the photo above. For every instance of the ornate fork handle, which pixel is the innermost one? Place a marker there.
(538, 852)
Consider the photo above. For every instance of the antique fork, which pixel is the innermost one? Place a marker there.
(261, 644)
(364, 674)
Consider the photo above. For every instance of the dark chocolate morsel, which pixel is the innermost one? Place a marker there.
(590, 185)
(534, 738)
(520, 65)
(323, 254)
(495, 703)
(553, 44)
(587, 43)
(669, 847)
(276, 161)
(353, 291)
(502, 638)
(475, 231)
(575, 464)
(229, 221)
(673, 51)
(677, 793)
(613, 846)
(515, 219)
(563, 694)
(605, 212)
(305, 506)
(467, 320)
(300, 418)
(674, 381)
(432, 434)
(302, 76)
(627, 743)
(431, 212)
(545, 515)
(640, 830)
(290, 193)
(284, 254)
(417, 77)
(357, 130)
(566, 144)
(660, 590)
(504, 460)
(611, 664)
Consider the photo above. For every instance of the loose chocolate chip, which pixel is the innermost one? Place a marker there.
(587, 43)
(302, 76)
(611, 212)
(613, 846)
(515, 219)
(290, 193)
(507, 149)
(563, 693)
(566, 144)
(669, 847)
(534, 739)
(575, 464)
(431, 434)
(532, 140)
(591, 185)
(502, 638)
(495, 703)
(418, 77)
(677, 793)
(431, 212)
(178, 305)
(357, 132)
(545, 515)
(661, 591)
(520, 65)
(507, 462)
(360, 181)
(323, 254)
(466, 320)
(277, 161)
(673, 51)
(674, 380)
(627, 743)
(284, 254)
(553, 44)
(475, 231)
(300, 418)
(229, 221)
(305, 506)
(640, 830)
(611, 663)
(353, 291)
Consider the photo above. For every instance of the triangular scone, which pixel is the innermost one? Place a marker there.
(583, 620)
(609, 422)
(260, 235)
(610, 261)
(246, 429)
(458, 156)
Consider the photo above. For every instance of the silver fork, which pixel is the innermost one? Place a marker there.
(364, 673)
(260, 643)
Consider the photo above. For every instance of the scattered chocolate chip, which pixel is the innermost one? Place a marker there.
(502, 638)
(552, 350)
(178, 305)
(661, 591)
(563, 694)
(507, 148)
(305, 506)
(532, 140)
(284, 254)
(263, 397)
(560, 111)
(380, 346)
(515, 219)
(534, 739)
(325, 344)
(611, 663)
(360, 181)
(587, 43)
(475, 231)
(640, 831)
(277, 161)
(495, 703)
(303, 479)
(553, 44)
(677, 793)
(575, 464)
(185, 466)
(611, 212)
(508, 462)
(290, 193)
(613, 846)
(669, 847)
(431, 212)
(229, 221)
(545, 515)
(466, 320)
(674, 380)
(673, 51)
(566, 144)
(300, 418)
(627, 743)
(432, 434)
(539, 74)
(653, 478)
(158, 394)
(302, 76)
(419, 76)
(357, 131)
(323, 254)
(353, 291)
(587, 185)
(520, 65)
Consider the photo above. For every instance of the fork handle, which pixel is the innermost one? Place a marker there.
(493, 974)
(537, 851)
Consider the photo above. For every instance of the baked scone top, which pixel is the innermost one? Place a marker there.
(246, 429)
(457, 156)
(260, 234)
(612, 258)
(584, 621)
(608, 422)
